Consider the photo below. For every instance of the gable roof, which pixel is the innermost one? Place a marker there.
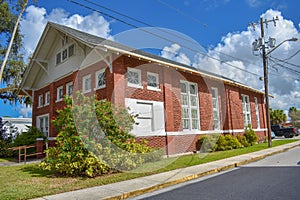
(96, 41)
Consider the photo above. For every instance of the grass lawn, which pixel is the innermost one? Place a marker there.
(28, 181)
(8, 160)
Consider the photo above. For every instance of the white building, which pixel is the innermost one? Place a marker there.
(19, 123)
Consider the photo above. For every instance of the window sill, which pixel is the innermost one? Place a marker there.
(135, 86)
(99, 88)
(40, 106)
(154, 89)
(59, 100)
(87, 91)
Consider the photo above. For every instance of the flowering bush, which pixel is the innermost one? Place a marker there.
(93, 138)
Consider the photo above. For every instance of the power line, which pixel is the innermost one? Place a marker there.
(284, 61)
(159, 36)
(182, 13)
(139, 21)
(201, 23)
(285, 67)
(292, 55)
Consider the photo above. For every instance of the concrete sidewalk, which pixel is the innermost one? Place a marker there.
(134, 187)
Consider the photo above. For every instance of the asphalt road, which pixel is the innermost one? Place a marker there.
(275, 177)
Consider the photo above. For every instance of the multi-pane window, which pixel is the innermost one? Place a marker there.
(41, 100)
(43, 124)
(66, 53)
(58, 58)
(86, 83)
(246, 110)
(59, 93)
(47, 98)
(134, 77)
(257, 112)
(69, 88)
(189, 104)
(71, 50)
(215, 105)
(100, 79)
(152, 81)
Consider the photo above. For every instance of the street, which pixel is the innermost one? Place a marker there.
(275, 177)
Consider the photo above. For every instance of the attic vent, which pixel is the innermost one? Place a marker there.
(65, 40)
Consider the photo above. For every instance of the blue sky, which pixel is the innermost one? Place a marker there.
(220, 27)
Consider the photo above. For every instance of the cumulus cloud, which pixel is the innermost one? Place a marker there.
(235, 51)
(36, 18)
(24, 111)
(173, 53)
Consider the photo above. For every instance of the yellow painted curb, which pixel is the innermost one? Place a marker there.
(195, 176)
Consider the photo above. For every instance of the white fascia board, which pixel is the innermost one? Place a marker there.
(181, 68)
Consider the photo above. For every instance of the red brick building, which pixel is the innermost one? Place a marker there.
(175, 103)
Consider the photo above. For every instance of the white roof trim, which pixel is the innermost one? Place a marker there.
(180, 67)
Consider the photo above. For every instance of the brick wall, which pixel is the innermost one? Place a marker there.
(230, 104)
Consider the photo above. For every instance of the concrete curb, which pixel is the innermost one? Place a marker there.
(138, 186)
(195, 176)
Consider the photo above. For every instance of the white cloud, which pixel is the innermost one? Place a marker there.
(35, 19)
(236, 49)
(173, 53)
(253, 3)
(24, 111)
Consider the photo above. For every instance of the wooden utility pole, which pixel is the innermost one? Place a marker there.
(262, 46)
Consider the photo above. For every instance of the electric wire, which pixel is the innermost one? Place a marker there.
(183, 13)
(292, 55)
(149, 32)
(285, 67)
(284, 61)
(141, 22)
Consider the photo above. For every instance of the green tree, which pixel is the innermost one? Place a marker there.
(277, 116)
(294, 114)
(11, 57)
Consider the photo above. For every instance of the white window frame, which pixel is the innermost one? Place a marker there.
(257, 112)
(246, 110)
(157, 81)
(216, 110)
(189, 107)
(102, 71)
(59, 95)
(72, 46)
(68, 85)
(64, 54)
(58, 59)
(44, 127)
(40, 100)
(84, 79)
(47, 98)
(138, 71)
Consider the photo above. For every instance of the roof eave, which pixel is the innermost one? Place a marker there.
(182, 68)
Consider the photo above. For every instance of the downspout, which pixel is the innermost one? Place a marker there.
(164, 98)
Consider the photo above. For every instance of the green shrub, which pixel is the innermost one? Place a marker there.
(218, 142)
(227, 142)
(250, 135)
(208, 143)
(4, 152)
(29, 137)
(92, 140)
(242, 139)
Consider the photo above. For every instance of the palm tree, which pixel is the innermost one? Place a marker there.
(277, 116)
(292, 114)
